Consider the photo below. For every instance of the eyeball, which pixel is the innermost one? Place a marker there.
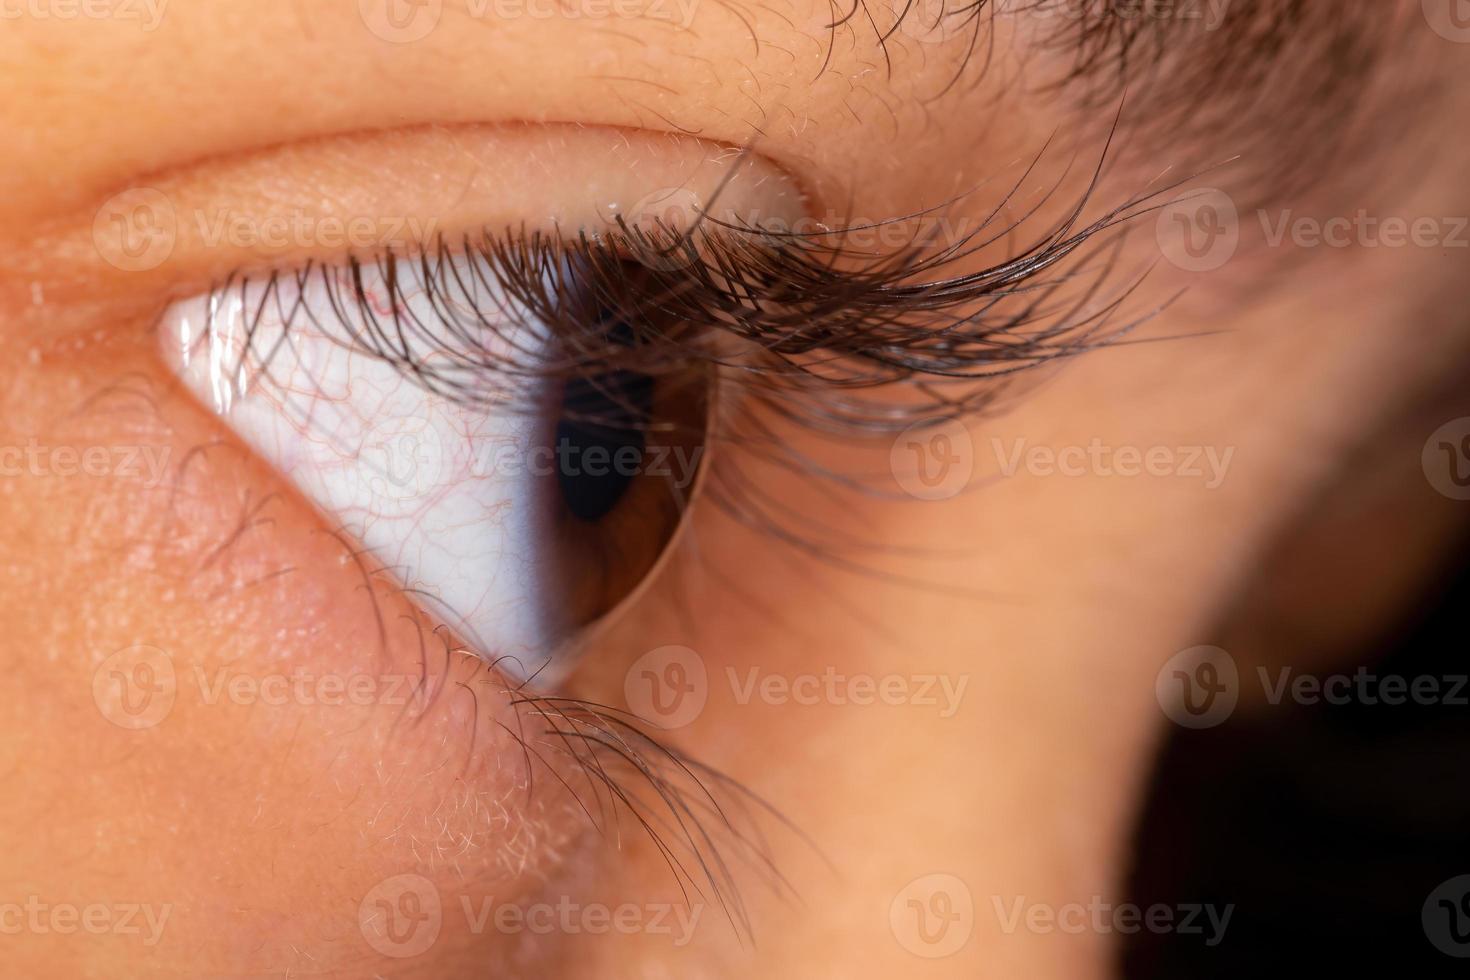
(525, 509)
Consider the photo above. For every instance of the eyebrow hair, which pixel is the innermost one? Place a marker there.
(1282, 85)
(1278, 84)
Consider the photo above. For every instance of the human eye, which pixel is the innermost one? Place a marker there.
(515, 422)
(672, 488)
(501, 424)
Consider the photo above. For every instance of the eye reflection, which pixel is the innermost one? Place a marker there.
(526, 514)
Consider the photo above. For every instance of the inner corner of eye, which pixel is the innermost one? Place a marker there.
(425, 413)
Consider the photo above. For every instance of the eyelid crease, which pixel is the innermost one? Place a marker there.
(173, 234)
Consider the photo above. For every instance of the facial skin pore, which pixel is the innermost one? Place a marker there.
(267, 817)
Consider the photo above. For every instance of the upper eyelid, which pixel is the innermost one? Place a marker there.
(477, 176)
(160, 156)
(606, 89)
(872, 325)
(67, 266)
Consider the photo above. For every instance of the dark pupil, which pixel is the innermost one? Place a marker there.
(600, 439)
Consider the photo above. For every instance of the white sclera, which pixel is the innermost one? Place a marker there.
(443, 493)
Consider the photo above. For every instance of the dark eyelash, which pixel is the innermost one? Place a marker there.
(807, 327)
(801, 320)
(693, 817)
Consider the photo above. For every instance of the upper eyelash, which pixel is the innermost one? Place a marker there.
(820, 326)
(815, 322)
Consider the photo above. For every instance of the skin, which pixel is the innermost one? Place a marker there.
(264, 829)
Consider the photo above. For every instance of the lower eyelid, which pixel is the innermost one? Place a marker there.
(406, 757)
(426, 784)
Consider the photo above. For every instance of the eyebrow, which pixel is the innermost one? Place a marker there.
(1276, 83)
(1112, 42)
